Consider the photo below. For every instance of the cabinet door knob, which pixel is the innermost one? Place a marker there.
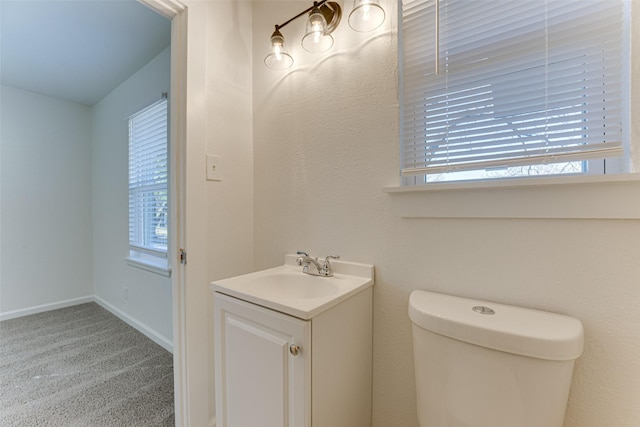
(294, 349)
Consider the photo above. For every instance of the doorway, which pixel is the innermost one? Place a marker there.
(57, 202)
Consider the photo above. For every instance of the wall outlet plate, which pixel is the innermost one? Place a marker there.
(213, 168)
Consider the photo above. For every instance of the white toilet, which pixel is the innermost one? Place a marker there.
(480, 364)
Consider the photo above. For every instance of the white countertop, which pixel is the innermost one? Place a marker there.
(288, 290)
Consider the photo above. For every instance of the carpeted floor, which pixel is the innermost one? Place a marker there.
(82, 366)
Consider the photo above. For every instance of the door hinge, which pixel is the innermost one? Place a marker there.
(182, 256)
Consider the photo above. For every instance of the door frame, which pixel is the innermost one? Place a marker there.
(176, 11)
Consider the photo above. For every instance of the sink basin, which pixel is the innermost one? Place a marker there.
(287, 289)
(293, 285)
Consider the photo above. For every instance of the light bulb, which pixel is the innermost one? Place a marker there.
(277, 50)
(366, 12)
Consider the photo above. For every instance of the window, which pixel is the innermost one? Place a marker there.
(148, 182)
(495, 89)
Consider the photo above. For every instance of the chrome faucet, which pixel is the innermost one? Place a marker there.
(313, 267)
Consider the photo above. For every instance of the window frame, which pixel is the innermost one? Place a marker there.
(148, 257)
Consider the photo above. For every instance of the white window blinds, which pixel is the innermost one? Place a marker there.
(519, 83)
(148, 181)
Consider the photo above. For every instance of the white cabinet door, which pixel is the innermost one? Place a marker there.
(260, 382)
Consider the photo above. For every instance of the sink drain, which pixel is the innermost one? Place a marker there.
(483, 310)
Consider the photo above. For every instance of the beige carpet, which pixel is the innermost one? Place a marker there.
(82, 366)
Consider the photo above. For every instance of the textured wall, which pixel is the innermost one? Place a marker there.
(325, 145)
(46, 200)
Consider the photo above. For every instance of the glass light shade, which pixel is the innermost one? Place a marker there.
(367, 15)
(278, 59)
(317, 38)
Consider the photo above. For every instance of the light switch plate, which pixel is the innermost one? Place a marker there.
(214, 172)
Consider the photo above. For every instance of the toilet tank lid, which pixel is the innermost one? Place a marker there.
(510, 329)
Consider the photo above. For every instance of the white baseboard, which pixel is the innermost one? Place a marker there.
(45, 307)
(144, 329)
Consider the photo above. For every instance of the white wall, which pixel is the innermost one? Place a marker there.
(218, 235)
(228, 115)
(149, 294)
(326, 144)
(46, 248)
(229, 130)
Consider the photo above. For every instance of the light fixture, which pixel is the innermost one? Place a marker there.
(317, 38)
(324, 17)
(367, 15)
(278, 59)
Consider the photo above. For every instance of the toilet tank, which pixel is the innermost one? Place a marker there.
(481, 364)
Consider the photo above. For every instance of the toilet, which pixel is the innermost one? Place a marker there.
(480, 364)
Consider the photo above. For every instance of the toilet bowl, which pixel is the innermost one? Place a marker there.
(481, 364)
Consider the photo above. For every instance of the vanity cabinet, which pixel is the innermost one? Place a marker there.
(277, 370)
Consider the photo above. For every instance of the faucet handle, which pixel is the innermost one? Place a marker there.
(327, 264)
(300, 260)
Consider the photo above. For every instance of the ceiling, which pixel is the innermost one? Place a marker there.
(78, 50)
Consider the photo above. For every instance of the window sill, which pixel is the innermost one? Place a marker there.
(575, 197)
(149, 263)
